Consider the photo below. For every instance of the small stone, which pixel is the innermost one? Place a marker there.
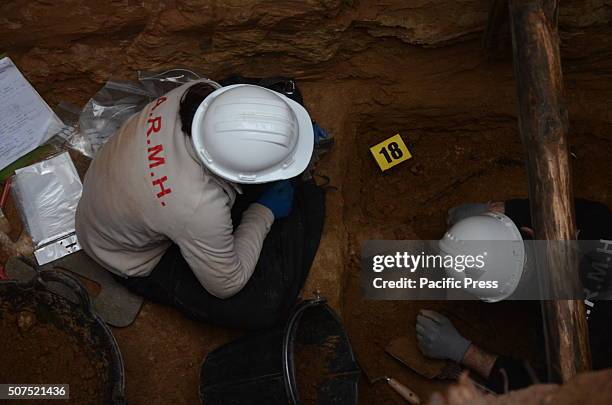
(25, 321)
(417, 169)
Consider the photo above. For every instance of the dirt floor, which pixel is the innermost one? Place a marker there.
(486, 166)
(410, 202)
(163, 352)
(365, 78)
(52, 354)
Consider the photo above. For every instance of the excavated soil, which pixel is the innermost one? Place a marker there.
(476, 161)
(311, 367)
(368, 70)
(163, 351)
(36, 352)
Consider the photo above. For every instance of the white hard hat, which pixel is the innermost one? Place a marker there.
(250, 134)
(498, 240)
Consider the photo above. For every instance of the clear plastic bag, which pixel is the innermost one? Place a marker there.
(106, 112)
(118, 100)
(159, 84)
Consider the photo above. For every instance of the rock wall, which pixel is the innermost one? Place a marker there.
(69, 47)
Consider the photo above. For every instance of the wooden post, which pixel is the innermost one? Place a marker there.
(543, 126)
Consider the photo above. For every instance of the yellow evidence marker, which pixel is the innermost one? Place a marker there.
(390, 152)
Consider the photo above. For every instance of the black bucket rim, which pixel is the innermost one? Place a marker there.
(292, 323)
(39, 282)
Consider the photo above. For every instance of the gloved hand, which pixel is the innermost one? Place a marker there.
(278, 197)
(466, 210)
(320, 134)
(438, 338)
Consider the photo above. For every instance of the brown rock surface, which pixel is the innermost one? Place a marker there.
(368, 69)
(592, 388)
(69, 48)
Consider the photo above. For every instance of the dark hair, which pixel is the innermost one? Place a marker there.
(190, 102)
(526, 235)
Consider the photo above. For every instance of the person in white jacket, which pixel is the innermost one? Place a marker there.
(195, 202)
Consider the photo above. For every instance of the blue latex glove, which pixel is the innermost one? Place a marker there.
(320, 134)
(278, 197)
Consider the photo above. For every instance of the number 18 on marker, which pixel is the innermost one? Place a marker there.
(390, 152)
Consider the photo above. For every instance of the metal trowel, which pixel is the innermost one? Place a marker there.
(397, 386)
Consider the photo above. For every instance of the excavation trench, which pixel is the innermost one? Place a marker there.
(459, 154)
(455, 159)
(454, 109)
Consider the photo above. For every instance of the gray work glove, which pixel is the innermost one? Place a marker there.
(438, 338)
(466, 210)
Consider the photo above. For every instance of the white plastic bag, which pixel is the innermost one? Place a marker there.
(47, 194)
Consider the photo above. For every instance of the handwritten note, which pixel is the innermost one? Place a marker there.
(26, 121)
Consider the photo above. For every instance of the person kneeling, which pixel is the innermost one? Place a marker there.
(196, 202)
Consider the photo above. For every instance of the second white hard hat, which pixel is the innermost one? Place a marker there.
(250, 134)
(499, 241)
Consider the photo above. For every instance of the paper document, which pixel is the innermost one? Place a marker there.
(26, 121)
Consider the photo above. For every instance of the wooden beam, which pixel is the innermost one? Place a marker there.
(543, 125)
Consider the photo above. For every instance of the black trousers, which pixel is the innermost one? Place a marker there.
(272, 290)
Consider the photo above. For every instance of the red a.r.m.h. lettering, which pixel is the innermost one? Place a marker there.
(158, 102)
(155, 160)
(154, 125)
(163, 190)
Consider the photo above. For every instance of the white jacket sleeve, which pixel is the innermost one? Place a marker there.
(224, 260)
